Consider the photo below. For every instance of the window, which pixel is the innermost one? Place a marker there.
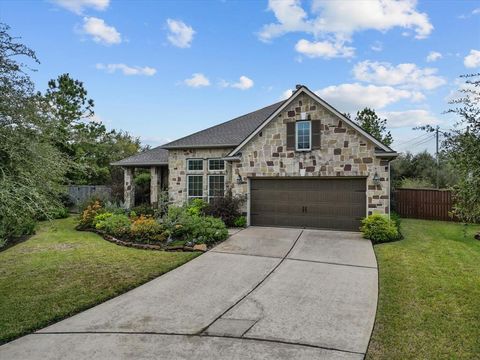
(216, 164)
(303, 135)
(216, 186)
(195, 186)
(195, 164)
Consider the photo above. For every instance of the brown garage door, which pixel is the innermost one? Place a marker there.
(316, 203)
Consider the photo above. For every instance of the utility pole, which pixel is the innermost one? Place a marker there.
(438, 162)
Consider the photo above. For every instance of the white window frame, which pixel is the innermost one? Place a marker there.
(224, 186)
(224, 166)
(310, 135)
(197, 170)
(188, 188)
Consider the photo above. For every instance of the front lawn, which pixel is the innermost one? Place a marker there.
(429, 299)
(61, 271)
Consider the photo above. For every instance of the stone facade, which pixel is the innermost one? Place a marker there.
(344, 152)
(177, 165)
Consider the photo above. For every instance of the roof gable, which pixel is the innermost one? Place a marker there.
(285, 104)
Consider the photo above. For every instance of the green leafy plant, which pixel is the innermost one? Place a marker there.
(196, 206)
(206, 229)
(117, 225)
(99, 220)
(241, 221)
(379, 229)
(181, 225)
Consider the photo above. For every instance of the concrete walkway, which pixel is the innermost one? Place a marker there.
(266, 293)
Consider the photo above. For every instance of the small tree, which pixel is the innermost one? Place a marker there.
(462, 145)
(374, 125)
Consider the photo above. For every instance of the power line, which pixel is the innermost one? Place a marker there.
(412, 139)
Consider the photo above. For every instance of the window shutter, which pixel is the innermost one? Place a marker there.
(316, 134)
(291, 136)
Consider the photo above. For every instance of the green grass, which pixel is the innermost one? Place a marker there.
(429, 300)
(60, 271)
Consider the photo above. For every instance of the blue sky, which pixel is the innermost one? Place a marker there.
(163, 69)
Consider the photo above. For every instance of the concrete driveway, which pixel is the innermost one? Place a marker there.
(266, 293)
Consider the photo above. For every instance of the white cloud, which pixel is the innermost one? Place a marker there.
(407, 75)
(324, 49)
(243, 83)
(197, 80)
(355, 96)
(286, 94)
(127, 70)
(100, 31)
(77, 6)
(377, 46)
(180, 34)
(409, 118)
(433, 56)
(472, 60)
(290, 16)
(476, 11)
(341, 19)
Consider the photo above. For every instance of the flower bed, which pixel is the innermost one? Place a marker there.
(181, 229)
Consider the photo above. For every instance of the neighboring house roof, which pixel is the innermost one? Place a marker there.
(382, 149)
(227, 134)
(155, 156)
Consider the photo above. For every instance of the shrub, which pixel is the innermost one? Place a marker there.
(379, 229)
(196, 207)
(99, 220)
(113, 207)
(205, 229)
(59, 213)
(179, 224)
(241, 221)
(226, 208)
(175, 220)
(117, 225)
(144, 209)
(147, 230)
(88, 215)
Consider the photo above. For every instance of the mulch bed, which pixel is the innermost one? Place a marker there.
(140, 245)
(15, 241)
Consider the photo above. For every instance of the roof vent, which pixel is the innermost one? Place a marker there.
(298, 86)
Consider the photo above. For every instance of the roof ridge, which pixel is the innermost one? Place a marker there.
(279, 103)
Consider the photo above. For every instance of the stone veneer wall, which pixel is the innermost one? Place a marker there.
(344, 152)
(177, 176)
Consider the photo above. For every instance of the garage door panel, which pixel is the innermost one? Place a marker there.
(318, 203)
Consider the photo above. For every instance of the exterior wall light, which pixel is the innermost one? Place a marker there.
(239, 180)
(376, 179)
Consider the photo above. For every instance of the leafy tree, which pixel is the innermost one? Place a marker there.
(31, 168)
(462, 144)
(88, 143)
(420, 171)
(373, 124)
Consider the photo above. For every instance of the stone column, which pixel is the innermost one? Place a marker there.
(154, 177)
(128, 187)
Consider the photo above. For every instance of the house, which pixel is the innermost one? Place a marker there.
(298, 162)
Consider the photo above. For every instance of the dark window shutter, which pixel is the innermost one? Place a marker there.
(316, 134)
(291, 136)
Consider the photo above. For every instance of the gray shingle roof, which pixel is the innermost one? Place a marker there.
(155, 156)
(227, 134)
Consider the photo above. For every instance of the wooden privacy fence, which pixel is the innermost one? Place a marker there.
(81, 193)
(430, 204)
